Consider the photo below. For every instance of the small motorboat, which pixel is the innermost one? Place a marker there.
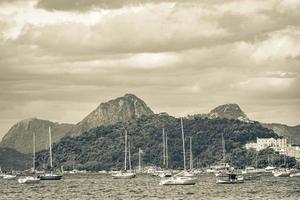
(28, 179)
(178, 180)
(295, 174)
(124, 175)
(165, 174)
(229, 178)
(9, 176)
(281, 173)
(270, 168)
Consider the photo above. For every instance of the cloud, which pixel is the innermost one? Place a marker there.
(81, 5)
(192, 55)
(280, 45)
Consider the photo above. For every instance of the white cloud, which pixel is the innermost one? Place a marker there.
(198, 54)
(280, 45)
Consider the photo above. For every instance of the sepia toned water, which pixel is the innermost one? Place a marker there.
(97, 186)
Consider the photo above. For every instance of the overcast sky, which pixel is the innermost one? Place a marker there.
(60, 58)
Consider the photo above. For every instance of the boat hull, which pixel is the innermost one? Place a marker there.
(229, 178)
(50, 177)
(283, 174)
(9, 177)
(178, 181)
(124, 176)
(28, 180)
(295, 174)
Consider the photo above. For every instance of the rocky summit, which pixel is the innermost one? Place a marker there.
(121, 109)
(19, 136)
(229, 111)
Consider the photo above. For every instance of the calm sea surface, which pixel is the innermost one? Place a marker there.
(96, 186)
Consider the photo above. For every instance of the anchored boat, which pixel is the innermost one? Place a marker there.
(125, 174)
(51, 175)
(28, 179)
(184, 177)
(31, 179)
(229, 178)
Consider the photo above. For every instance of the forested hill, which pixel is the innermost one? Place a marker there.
(103, 147)
(11, 159)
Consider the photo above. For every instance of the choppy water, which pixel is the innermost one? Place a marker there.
(96, 186)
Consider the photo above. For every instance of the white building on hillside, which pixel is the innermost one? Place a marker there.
(279, 144)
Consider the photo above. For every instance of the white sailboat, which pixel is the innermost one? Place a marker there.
(282, 172)
(165, 172)
(31, 179)
(140, 161)
(51, 175)
(182, 178)
(125, 174)
(270, 167)
(296, 172)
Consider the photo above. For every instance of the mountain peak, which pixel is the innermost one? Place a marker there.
(130, 95)
(120, 109)
(19, 136)
(229, 111)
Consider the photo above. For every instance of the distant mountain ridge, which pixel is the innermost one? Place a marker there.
(10, 159)
(121, 109)
(290, 132)
(233, 111)
(19, 136)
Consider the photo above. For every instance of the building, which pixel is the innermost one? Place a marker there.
(263, 143)
(293, 151)
(279, 145)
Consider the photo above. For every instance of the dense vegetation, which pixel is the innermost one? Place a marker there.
(103, 147)
(11, 159)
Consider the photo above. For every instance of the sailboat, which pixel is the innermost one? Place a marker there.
(227, 176)
(165, 172)
(283, 172)
(296, 172)
(270, 167)
(7, 176)
(51, 175)
(253, 173)
(31, 179)
(125, 174)
(182, 178)
(140, 161)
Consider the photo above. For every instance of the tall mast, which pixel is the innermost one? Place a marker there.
(256, 160)
(129, 156)
(164, 149)
(191, 154)
(167, 154)
(285, 164)
(183, 145)
(224, 150)
(140, 161)
(50, 147)
(125, 167)
(33, 152)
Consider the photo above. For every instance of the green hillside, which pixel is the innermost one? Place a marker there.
(103, 147)
(11, 159)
